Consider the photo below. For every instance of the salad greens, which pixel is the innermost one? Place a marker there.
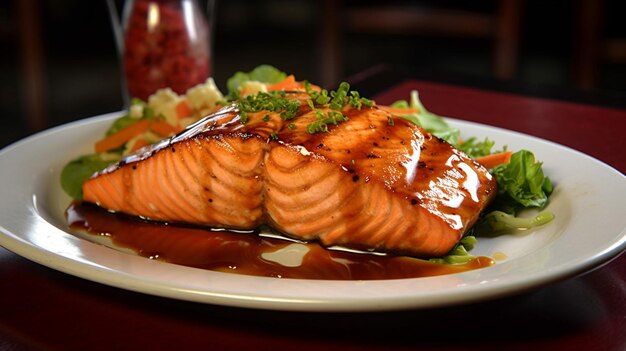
(474, 148)
(521, 183)
(427, 120)
(128, 119)
(77, 171)
(459, 253)
(263, 73)
(498, 221)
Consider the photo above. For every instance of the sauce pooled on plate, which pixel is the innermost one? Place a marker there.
(249, 254)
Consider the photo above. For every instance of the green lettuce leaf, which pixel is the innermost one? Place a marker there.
(459, 253)
(263, 73)
(474, 148)
(498, 221)
(521, 183)
(77, 171)
(433, 123)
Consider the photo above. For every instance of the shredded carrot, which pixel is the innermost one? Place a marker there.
(285, 84)
(139, 144)
(493, 160)
(183, 110)
(162, 128)
(122, 136)
(398, 111)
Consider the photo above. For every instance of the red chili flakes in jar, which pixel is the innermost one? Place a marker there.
(166, 45)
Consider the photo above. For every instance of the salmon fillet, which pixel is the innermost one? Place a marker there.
(372, 182)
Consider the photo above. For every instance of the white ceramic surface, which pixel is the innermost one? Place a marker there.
(589, 229)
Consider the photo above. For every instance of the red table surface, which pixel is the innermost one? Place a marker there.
(42, 309)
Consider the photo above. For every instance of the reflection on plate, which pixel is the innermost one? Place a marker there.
(589, 229)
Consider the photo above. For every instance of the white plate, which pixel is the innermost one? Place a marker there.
(589, 229)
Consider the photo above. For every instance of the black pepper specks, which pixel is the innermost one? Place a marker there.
(355, 178)
(173, 149)
(414, 201)
(210, 200)
(134, 167)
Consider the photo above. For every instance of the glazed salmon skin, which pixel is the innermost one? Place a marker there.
(371, 182)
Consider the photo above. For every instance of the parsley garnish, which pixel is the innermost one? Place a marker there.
(277, 102)
(335, 100)
(243, 116)
(323, 120)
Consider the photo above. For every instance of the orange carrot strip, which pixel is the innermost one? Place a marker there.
(122, 136)
(139, 144)
(162, 128)
(398, 111)
(493, 160)
(183, 110)
(285, 84)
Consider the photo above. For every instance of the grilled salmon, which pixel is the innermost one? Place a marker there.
(370, 182)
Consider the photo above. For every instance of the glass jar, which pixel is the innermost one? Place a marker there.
(166, 45)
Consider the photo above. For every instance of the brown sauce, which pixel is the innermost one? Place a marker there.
(242, 253)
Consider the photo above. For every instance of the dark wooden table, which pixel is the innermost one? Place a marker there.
(42, 309)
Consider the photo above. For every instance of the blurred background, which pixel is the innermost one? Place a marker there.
(59, 61)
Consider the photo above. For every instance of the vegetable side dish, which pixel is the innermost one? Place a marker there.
(315, 165)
